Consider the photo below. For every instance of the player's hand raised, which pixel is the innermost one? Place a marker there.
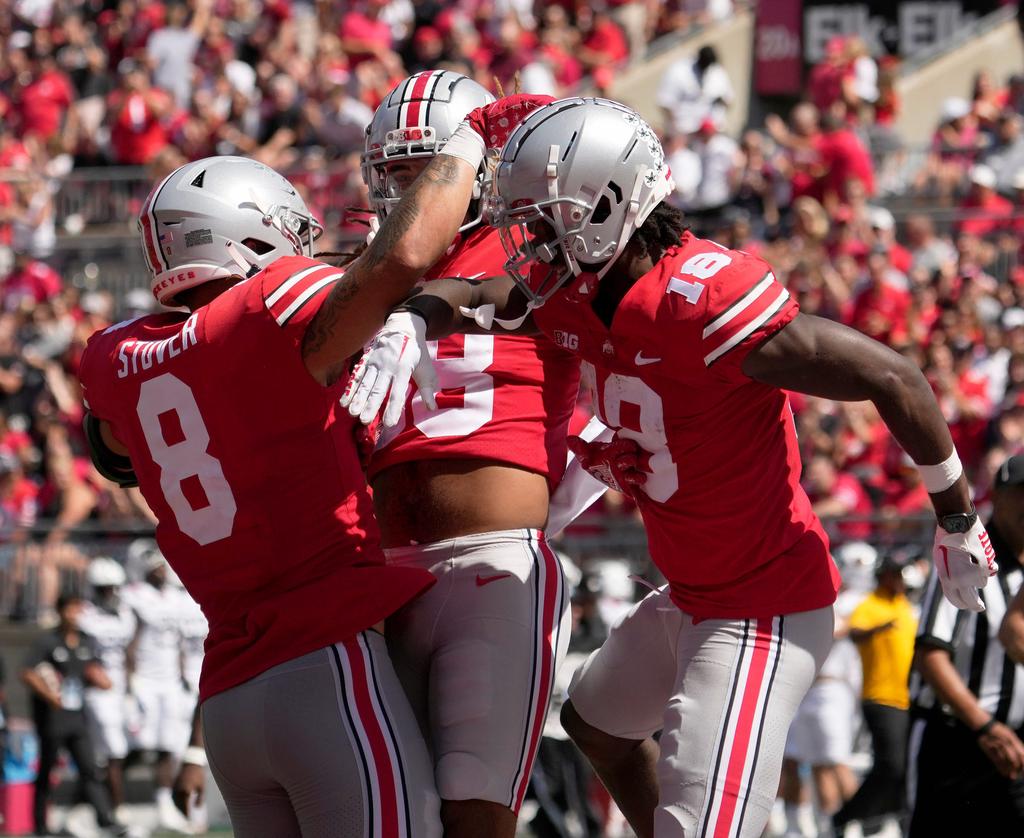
(964, 562)
(397, 354)
(496, 121)
(615, 463)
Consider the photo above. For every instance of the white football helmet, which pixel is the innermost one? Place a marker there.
(573, 181)
(416, 119)
(104, 572)
(221, 217)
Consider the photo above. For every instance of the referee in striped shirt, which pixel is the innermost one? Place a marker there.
(966, 754)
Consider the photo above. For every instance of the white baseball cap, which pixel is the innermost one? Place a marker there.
(982, 175)
(955, 108)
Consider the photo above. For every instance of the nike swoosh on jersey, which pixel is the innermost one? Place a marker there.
(641, 361)
(486, 580)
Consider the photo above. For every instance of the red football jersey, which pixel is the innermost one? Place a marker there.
(504, 398)
(251, 468)
(727, 521)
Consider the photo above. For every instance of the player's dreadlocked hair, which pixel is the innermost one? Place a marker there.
(660, 231)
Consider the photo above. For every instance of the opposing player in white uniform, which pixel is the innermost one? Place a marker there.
(463, 491)
(111, 623)
(156, 679)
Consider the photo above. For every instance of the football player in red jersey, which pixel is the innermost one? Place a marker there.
(481, 648)
(688, 348)
(227, 416)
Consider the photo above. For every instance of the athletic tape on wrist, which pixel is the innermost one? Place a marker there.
(941, 476)
(195, 755)
(466, 144)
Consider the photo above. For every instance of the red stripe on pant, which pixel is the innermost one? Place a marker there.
(549, 616)
(373, 729)
(412, 114)
(744, 728)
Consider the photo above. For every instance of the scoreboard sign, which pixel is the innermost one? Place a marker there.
(791, 34)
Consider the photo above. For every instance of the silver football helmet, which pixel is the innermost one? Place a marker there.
(221, 217)
(572, 183)
(416, 119)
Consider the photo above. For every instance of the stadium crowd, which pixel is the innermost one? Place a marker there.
(293, 83)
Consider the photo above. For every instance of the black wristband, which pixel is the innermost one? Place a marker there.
(985, 728)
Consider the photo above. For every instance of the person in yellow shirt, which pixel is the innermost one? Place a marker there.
(883, 626)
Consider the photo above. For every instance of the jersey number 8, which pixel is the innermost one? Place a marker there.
(186, 459)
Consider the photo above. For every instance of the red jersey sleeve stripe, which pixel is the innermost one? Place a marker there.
(731, 342)
(741, 305)
(304, 297)
(291, 282)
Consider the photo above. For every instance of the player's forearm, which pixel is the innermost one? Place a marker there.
(413, 236)
(938, 671)
(1011, 632)
(441, 304)
(471, 306)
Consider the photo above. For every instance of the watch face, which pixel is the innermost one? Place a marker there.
(957, 522)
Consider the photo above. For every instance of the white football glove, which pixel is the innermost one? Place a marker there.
(397, 353)
(964, 562)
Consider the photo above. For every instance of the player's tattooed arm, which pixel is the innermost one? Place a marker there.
(410, 240)
(822, 358)
(471, 306)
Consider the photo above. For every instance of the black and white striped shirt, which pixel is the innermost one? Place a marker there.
(973, 643)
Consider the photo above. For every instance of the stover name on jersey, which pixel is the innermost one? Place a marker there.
(144, 353)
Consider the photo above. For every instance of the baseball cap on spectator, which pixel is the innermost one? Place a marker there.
(8, 462)
(19, 40)
(1011, 472)
(955, 108)
(982, 175)
(1013, 318)
(707, 127)
(881, 218)
(127, 65)
(426, 35)
(835, 46)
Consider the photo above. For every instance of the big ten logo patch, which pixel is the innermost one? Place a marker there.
(567, 340)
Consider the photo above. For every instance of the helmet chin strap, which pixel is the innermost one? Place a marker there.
(244, 264)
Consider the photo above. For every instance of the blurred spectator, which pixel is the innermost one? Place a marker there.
(825, 86)
(844, 159)
(137, 114)
(719, 159)
(172, 48)
(111, 625)
(985, 211)
(800, 140)
(880, 308)
(1006, 156)
(883, 628)
(695, 89)
(835, 494)
(156, 677)
(42, 96)
(56, 672)
(956, 144)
